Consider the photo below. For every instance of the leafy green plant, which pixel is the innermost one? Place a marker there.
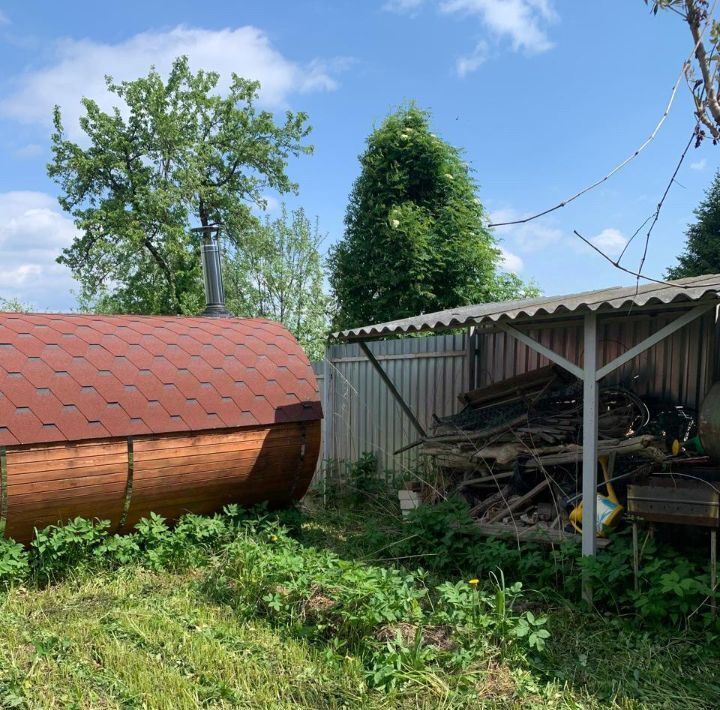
(533, 629)
(14, 562)
(444, 533)
(57, 549)
(414, 237)
(674, 584)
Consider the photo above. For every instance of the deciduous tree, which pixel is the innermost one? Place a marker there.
(174, 154)
(276, 272)
(13, 305)
(701, 73)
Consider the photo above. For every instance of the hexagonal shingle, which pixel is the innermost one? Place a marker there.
(77, 377)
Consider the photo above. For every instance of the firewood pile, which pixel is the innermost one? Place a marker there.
(514, 451)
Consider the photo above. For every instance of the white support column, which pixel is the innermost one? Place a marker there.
(328, 406)
(590, 433)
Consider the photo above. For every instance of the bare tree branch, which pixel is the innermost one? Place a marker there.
(683, 73)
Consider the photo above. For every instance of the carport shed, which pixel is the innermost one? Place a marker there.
(671, 306)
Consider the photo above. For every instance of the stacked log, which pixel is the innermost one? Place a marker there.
(516, 446)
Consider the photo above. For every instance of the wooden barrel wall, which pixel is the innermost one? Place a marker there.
(115, 417)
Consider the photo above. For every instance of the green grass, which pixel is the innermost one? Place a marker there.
(144, 639)
(137, 638)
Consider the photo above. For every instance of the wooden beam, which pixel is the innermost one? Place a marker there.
(393, 390)
(519, 502)
(655, 338)
(544, 351)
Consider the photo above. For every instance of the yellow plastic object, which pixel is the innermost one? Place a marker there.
(608, 507)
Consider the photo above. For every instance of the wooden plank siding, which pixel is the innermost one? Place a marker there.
(171, 475)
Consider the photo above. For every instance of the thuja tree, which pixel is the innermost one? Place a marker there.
(276, 272)
(174, 154)
(414, 237)
(702, 250)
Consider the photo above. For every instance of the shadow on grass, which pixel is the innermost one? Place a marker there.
(592, 659)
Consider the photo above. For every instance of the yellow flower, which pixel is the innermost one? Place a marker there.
(273, 538)
(474, 582)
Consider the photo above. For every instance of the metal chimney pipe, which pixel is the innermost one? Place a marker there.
(212, 272)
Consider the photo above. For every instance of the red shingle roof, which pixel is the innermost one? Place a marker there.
(76, 377)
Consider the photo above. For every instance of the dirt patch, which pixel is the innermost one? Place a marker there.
(438, 637)
(497, 683)
(317, 604)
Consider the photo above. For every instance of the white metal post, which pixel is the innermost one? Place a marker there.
(590, 433)
(327, 405)
(328, 414)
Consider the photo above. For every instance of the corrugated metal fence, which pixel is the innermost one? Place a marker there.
(430, 372)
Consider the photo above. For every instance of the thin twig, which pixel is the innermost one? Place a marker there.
(617, 265)
(635, 233)
(693, 136)
(686, 64)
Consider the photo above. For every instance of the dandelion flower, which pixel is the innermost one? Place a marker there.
(474, 582)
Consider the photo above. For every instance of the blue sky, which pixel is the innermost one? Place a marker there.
(544, 96)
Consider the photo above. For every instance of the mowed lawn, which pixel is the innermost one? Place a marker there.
(137, 638)
(143, 639)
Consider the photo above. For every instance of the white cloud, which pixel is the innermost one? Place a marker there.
(80, 67)
(403, 7)
(610, 241)
(472, 62)
(31, 150)
(529, 237)
(699, 164)
(523, 22)
(33, 230)
(510, 262)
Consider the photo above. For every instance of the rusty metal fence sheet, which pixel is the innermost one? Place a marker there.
(430, 372)
(678, 369)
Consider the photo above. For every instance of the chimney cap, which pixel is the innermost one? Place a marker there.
(207, 229)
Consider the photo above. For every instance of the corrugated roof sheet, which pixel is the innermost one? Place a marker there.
(690, 289)
(76, 377)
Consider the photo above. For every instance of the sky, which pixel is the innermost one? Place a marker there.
(543, 96)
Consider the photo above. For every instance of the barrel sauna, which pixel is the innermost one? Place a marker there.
(113, 417)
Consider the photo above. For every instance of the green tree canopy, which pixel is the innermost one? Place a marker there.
(276, 272)
(176, 155)
(13, 305)
(414, 238)
(702, 250)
